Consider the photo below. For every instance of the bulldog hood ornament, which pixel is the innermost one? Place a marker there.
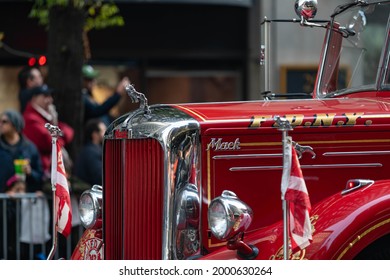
(138, 97)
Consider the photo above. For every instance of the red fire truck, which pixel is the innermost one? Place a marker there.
(202, 181)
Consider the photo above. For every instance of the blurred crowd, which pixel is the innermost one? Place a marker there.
(25, 160)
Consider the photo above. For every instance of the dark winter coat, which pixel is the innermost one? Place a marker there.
(88, 165)
(24, 149)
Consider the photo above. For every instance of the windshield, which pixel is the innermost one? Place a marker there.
(359, 62)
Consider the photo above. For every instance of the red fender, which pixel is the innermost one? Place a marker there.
(346, 224)
(343, 225)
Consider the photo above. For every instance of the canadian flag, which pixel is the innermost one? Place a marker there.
(295, 192)
(62, 197)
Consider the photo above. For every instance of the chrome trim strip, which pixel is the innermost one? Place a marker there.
(167, 138)
(247, 156)
(327, 154)
(324, 56)
(313, 166)
(254, 168)
(355, 153)
(384, 60)
(343, 165)
(123, 189)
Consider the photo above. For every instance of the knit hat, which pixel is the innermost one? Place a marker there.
(89, 72)
(16, 119)
(11, 181)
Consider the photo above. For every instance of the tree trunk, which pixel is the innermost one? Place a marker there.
(65, 60)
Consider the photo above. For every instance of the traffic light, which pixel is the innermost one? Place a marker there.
(37, 61)
(42, 60)
(32, 61)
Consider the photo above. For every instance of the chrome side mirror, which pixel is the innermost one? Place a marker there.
(306, 9)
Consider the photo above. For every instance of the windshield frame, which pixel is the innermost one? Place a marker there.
(334, 36)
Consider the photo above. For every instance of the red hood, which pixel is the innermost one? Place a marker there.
(241, 114)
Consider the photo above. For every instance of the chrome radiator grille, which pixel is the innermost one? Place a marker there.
(133, 199)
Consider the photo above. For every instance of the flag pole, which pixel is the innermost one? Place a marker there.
(55, 132)
(284, 126)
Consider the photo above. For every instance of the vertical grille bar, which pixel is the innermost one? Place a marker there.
(137, 188)
(112, 207)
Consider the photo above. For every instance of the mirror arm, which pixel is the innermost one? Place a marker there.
(305, 22)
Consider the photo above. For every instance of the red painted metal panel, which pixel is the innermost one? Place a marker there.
(254, 171)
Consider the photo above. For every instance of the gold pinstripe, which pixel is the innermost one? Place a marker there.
(360, 236)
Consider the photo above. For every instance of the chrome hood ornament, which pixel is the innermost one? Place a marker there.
(136, 97)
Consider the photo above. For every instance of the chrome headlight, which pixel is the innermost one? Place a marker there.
(90, 206)
(228, 216)
(187, 212)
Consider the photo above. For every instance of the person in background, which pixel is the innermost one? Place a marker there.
(15, 185)
(40, 111)
(6, 169)
(28, 77)
(92, 109)
(34, 222)
(86, 171)
(88, 164)
(15, 147)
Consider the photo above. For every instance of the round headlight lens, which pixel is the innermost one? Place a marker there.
(228, 216)
(89, 206)
(218, 220)
(87, 210)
